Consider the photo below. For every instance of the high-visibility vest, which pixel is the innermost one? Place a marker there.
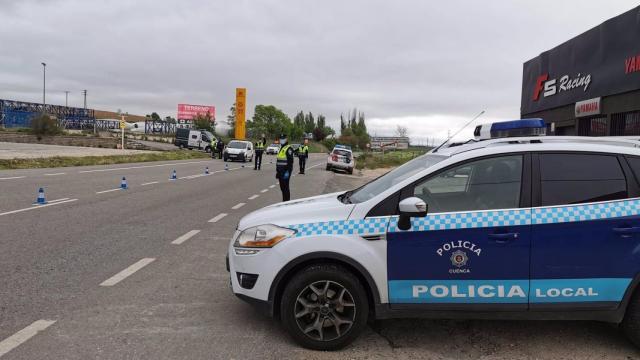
(214, 143)
(303, 149)
(260, 145)
(281, 158)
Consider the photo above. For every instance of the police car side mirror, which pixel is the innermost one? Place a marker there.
(410, 207)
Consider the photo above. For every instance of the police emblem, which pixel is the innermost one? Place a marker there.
(459, 258)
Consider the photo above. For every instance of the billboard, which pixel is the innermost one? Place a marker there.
(600, 62)
(188, 111)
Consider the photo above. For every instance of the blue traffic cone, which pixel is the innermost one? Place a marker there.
(123, 184)
(41, 200)
(226, 166)
(242, 165)
(174, 175)
(206, 170)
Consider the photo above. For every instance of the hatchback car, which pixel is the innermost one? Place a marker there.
(341, 158)
(238, 150)
(505, 228)
(272, 149)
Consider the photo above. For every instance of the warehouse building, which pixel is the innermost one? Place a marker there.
(589, 85)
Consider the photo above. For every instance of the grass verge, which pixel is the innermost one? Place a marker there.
(63, 161)
(389, 159)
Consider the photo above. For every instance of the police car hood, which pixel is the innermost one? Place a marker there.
(308, 210)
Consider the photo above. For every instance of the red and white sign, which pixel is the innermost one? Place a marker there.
(188, 112)
(588, 107)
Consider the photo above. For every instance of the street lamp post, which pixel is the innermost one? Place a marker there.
(44, 84)
(66, 98)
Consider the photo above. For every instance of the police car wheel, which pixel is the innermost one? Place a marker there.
(324, 307)
(631, 322)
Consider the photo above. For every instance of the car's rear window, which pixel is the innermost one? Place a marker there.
(341, 152)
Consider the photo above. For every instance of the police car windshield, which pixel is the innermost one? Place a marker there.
(386, 181)
(237, 145)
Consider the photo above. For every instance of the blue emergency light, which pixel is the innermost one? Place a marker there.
(511, 128)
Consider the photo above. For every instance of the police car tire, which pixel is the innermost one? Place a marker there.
(631, 322)
(324, 272)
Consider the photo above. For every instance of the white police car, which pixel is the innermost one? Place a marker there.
(505, 228)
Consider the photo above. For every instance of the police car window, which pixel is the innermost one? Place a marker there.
(580, 178)
(479, 185)
(386, 181)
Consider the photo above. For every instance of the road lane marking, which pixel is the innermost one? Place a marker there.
(217, 217)
(37, 207)
(54, 174)
(127, 272)
(141, 167)
(264, 190)
(13, 177)
(106, 191)
(238, 206)
(56, 200)
(311, 167)
(185, 237)
(149, 183)
(253, 197)
(23, 335)
(271, 186)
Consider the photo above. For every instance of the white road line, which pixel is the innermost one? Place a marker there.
(264, 190)
(37, 207)
(185, 237)
(106, 191)
(13, 177)
(23, 335)
(217, 217)
(56, 200)
(54, 174)
(271, 186)
(253, 197)
(238, 206)
(149, 183)
(316, 165)
(127, 272)
(141, 167)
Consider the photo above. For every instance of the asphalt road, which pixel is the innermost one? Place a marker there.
(140, 274)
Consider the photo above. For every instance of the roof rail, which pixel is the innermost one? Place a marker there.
(602, 140)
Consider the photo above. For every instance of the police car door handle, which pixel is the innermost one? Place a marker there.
(626, 230)
(503, 237)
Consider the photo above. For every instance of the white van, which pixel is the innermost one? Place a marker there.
(238, 150)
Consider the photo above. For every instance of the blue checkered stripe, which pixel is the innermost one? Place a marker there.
(469, 220)
(608, 210)
(376, 225)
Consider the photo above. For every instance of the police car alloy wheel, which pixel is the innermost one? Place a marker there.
(324, 307)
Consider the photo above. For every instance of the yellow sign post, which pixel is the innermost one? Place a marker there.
(241, 102)
(123, 125)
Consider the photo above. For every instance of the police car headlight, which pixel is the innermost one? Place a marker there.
(263, 236)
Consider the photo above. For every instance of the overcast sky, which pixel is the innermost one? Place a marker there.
(428, 65)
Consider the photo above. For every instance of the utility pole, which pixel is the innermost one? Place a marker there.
(66, 98)
(44, 85)
(84, 92)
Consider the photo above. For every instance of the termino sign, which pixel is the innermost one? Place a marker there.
(188, 112)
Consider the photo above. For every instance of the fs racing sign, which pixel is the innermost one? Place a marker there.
(600, 62)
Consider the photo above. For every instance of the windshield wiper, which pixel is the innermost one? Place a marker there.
(346, 197)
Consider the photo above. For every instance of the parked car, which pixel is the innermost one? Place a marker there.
(240, 150)
(272, 149)
(341, 158)
(193, 139)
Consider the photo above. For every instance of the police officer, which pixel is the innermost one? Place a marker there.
(284, 167)
(220, 146)
(259, 150)
(214, 147)
(303, 154)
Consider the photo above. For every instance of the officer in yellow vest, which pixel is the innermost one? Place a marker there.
(214, 146)
(259, 150)
(303, 154)
(284, 167)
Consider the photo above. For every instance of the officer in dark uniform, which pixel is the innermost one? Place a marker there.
(284, 167)
(220, 146)
(303, 154)
(259, 150)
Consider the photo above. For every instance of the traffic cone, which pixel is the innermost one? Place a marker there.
(41, 200)
(174, 175)
(206, 170)
(123, 184)
(226, 166)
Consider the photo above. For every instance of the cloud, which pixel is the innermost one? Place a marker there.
(426, 64)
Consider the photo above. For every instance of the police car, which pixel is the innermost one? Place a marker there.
(502, 227)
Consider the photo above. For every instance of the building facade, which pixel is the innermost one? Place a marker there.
(589, 85)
